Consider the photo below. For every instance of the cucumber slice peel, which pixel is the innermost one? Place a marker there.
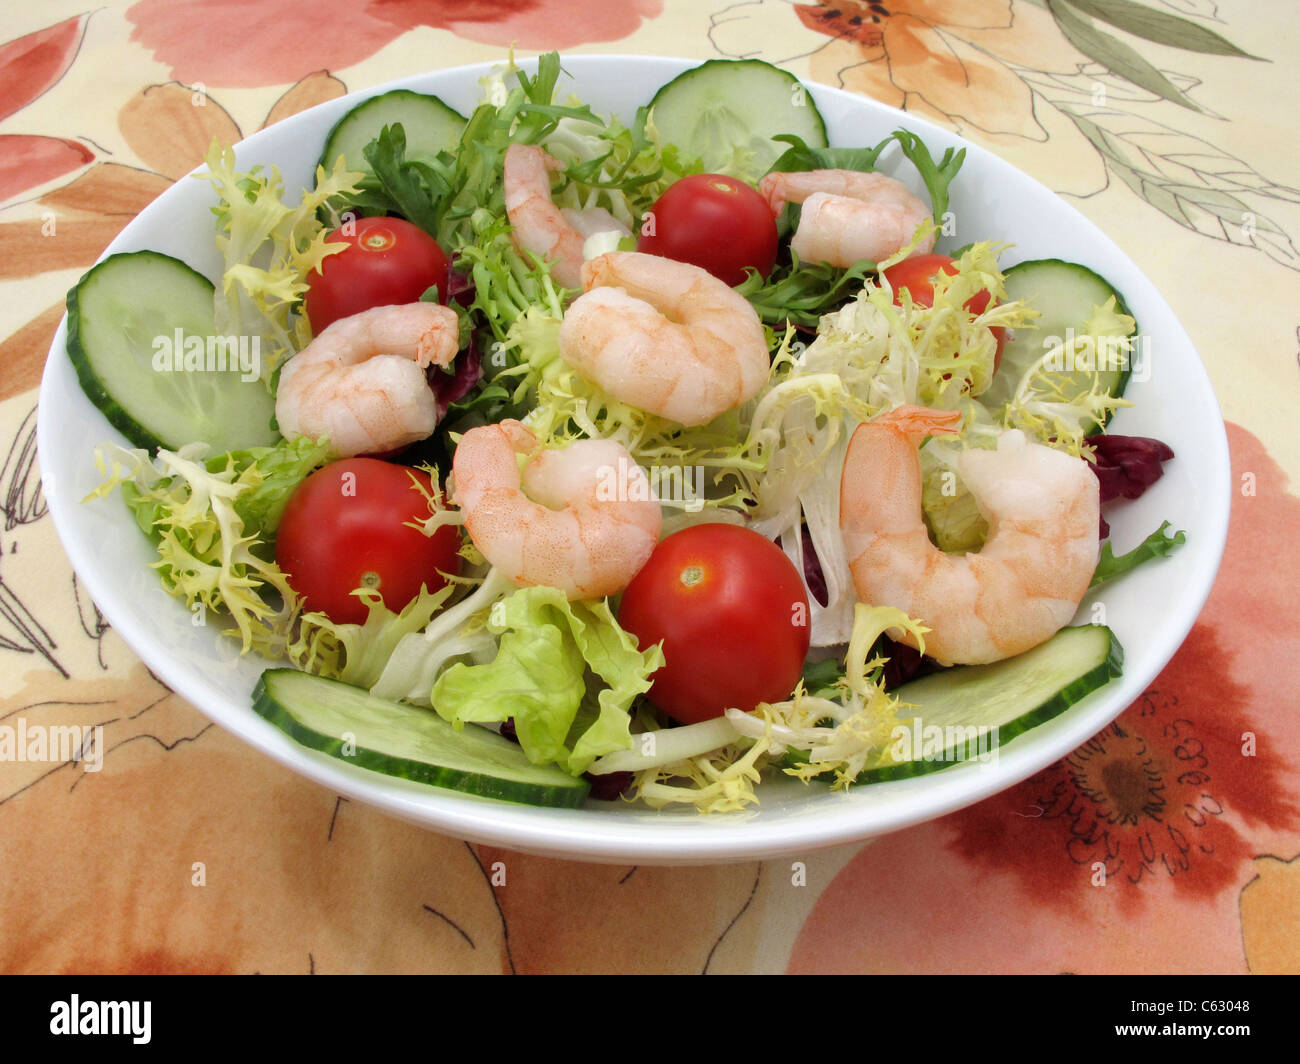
(131, 321)
(407, 741)
(1065, 294)
(726, 111)
(1011, 696)
(429, 124)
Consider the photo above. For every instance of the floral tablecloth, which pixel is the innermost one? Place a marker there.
(1169, 122)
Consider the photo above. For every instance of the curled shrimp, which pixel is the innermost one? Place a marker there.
(361, 381)
(581, 518)
(848, 215)
(1025, 584)
(665, 337)
(538, 224)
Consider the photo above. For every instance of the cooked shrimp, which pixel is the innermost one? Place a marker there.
(361, 381)
(848, 215)
(665, 337)
(582, 518)
(1021, 588)
(539, 225)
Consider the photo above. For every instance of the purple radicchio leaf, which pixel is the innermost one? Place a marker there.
(467, 371)
(812, 571)
(1126, 466)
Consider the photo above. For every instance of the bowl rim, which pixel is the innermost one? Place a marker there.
(592, 834)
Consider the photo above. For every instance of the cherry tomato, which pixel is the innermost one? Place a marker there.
(715, 222)
(345, 528)
(917, 274)
(388, 261)
(733, 616)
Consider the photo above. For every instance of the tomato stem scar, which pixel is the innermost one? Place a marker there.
(692, 575)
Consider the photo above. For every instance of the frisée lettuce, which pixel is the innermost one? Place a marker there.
(211, 521)
(269, 248)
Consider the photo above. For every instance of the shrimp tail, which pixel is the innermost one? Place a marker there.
(918, 422)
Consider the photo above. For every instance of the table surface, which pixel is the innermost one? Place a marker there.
(189, 852)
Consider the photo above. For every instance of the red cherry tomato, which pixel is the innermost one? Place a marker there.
(917, 275)
(388, 261)
(345, 528)
(733, 616)
(715, 222)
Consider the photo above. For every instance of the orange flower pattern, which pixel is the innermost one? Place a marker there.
(913, 54)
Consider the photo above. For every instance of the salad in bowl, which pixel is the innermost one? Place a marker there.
(513, 453)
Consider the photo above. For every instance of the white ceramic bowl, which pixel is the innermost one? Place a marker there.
(1151, 610)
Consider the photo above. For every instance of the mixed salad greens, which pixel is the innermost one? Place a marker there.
(214, 485)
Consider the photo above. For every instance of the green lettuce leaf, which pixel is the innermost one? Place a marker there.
(539, 677)
(414, 188)
(801, 292)
(506, 286)
(845, 727)
(270, 475)
(800, 156)
(265, 477)
(936, 175)
(206, 556)
(1156, 545)
(359, 653)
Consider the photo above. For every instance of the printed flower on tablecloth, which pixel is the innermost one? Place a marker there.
(29, 66)
(168, 127)
(954, 63)
(1148, 795)
(1046, 85)
(916, 54)
(274, 41)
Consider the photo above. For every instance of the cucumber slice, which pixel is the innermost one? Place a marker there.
(429, 124)
(1012, 696)
(131, 319)
(1065, 294)
(726, 111)
(402, 740)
